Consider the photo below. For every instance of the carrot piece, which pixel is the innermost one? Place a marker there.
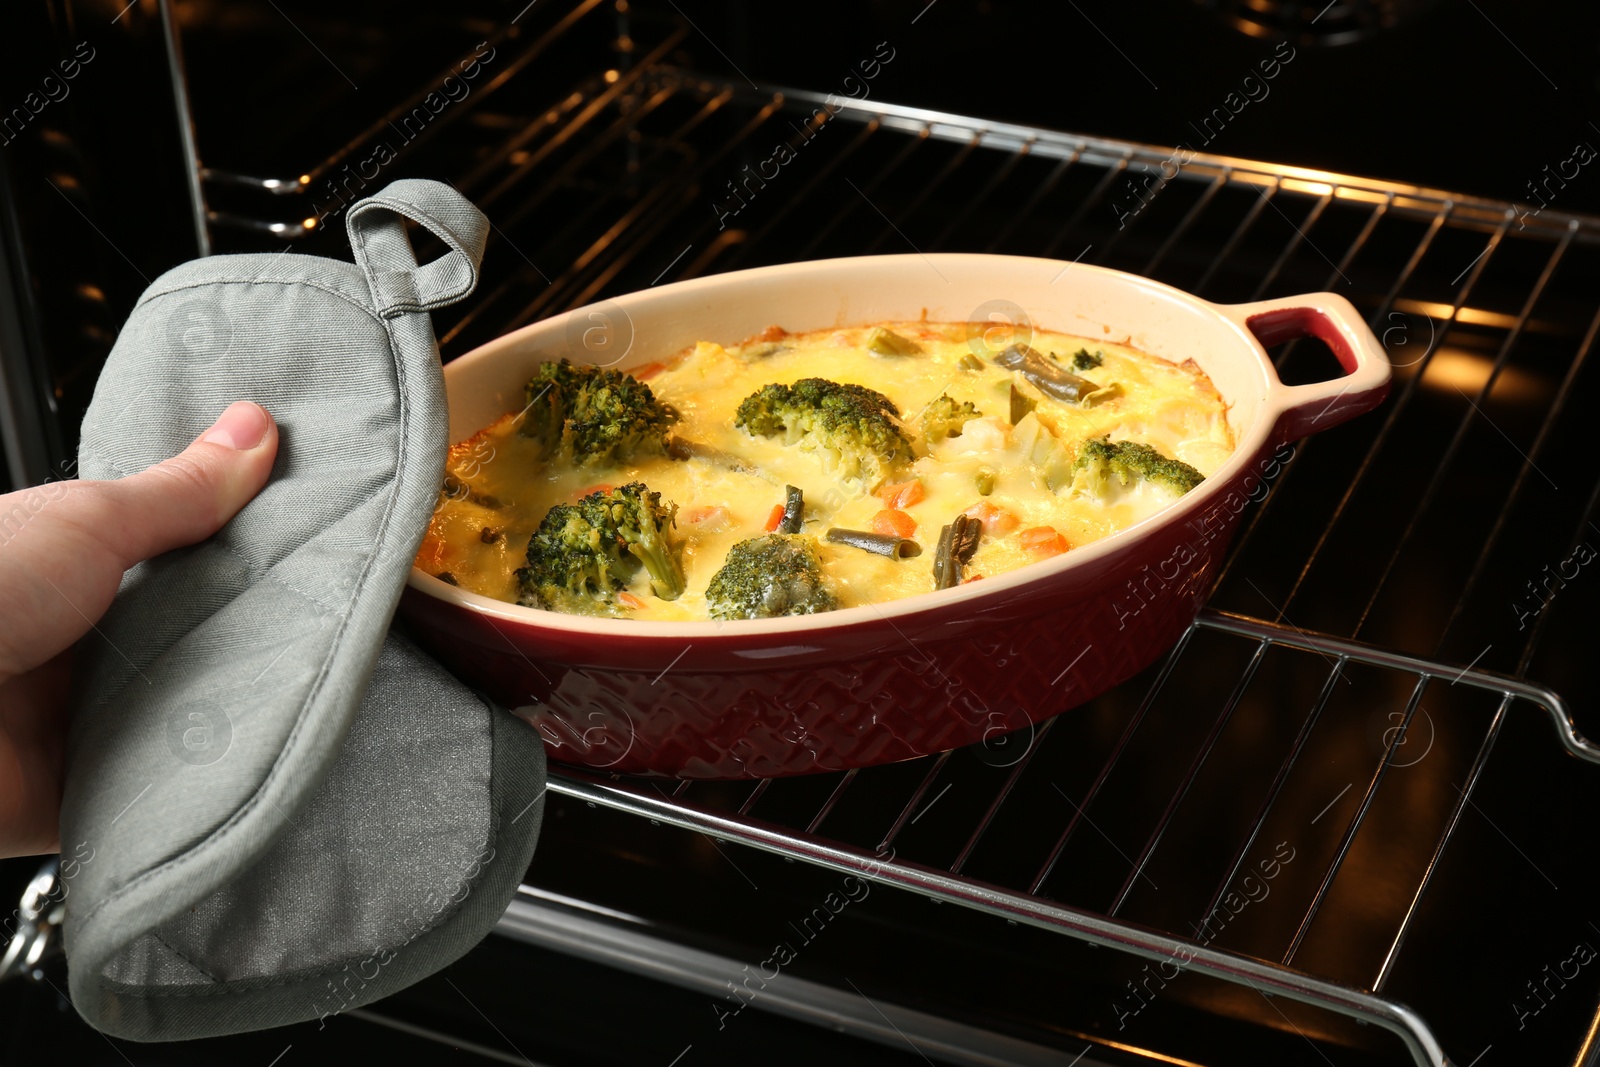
(893, 523)
(774, 518)
(435, 553)
(901, 495)
(647, 371)
(996, 520)
(1043, 541)
(601, 488)
(628, 600)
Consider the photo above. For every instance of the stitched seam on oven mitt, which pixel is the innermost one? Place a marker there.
(199, 833)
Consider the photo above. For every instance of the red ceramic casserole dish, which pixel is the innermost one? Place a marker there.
(871, 684)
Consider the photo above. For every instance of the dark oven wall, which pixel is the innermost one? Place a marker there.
(1475, 96)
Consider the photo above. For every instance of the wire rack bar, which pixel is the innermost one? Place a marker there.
(999, 176)
(1274, 788)
(1379, 211)
(1262, 202)
(864, 196)
(1555, 707)
(1265, 978)
(1189, 776)
(839, 159)
(1463, 794)
(915, 800)
(591, 149)
(1045, 188)
(1354, 825)
(1011, 781)
(1293, 244)
(1196, 209)
(1421, 201)
(1474, 410)
(1585, 522)
(645, 217)
(1090, 201)
(1111, 761)
(1436, 225)
(1557, 406)
(833, 799)
(308, 176)
(1396, 407)
(929, 187)
(755, 795)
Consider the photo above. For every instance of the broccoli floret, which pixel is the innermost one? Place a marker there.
(571, 567)
(1083, 359)
(1100, 460)
(944, 417)
(637, 519)
(768, 576)
(593, 415)
(584, 553)
(853, 427)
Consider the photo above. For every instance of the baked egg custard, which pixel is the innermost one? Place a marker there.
(797, 473)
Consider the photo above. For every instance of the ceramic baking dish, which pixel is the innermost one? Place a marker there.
(871, 684)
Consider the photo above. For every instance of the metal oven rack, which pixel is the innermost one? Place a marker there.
(1350, 603)
(1282, 190)
(801, 840)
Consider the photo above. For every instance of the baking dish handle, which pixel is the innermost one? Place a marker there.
(1303, 410)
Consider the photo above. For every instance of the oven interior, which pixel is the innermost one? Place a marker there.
(1384, 704)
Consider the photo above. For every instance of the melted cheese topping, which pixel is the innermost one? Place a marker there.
(480, 537)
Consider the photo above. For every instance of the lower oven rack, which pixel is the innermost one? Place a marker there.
(733, 824)
(1368, 592)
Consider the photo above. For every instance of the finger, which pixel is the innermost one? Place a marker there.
(191, 496)
(64, 546)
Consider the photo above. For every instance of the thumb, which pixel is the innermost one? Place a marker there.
(191, 496)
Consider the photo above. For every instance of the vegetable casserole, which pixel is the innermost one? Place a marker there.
(798, 473)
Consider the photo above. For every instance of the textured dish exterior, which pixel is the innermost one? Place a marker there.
(866, 695)
(906, 678)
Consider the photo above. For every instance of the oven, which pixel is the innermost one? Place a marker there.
(1344, 820)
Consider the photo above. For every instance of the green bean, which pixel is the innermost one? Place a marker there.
(1050, 379)
(957, 542)
(793, 511)
(881, 544)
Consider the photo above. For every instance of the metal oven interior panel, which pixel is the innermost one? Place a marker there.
(1385, 705)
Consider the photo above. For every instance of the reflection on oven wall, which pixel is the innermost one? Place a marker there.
(290, 107)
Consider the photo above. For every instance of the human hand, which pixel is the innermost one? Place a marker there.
(63, 549)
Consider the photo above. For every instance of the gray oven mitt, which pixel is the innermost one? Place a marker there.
(277, 809)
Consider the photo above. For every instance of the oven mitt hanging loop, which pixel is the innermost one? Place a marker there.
(383, 251)
(277, 809)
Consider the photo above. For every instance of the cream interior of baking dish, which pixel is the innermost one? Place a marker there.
(651, 324)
